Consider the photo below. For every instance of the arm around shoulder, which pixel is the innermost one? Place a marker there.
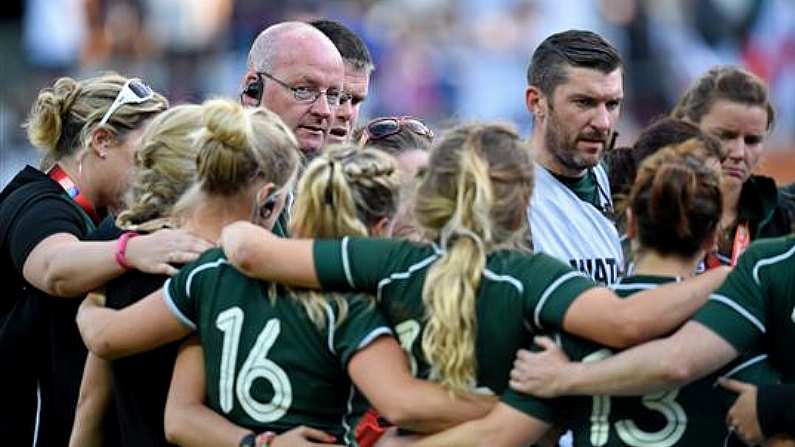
(600, 315)
(258, 253)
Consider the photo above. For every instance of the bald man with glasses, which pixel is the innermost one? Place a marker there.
(296, 71)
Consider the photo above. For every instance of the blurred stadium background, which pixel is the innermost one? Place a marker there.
(442, 60)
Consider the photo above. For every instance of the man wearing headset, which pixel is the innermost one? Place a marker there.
(296, 72)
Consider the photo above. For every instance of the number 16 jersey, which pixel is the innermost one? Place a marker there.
(268, 366)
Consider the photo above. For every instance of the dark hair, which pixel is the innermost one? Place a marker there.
(623, 162)
(676, 199)
(351, 47)
(724, 82)
(575, 48)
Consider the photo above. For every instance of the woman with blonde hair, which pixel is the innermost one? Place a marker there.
(88, 130)
(673, 209)
(465, 303)
(302, 343)
(165, 168)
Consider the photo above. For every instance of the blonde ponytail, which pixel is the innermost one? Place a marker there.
(477, 178)
(451, 329)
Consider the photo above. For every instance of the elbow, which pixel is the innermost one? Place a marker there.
(103, 350)
(676, 368)
(401, 414)
(677, 373)
(243, 257)
(56, 284)
(172, 424)
(95, 343)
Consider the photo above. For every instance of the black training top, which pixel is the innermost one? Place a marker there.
(39, 341)
(140, 382)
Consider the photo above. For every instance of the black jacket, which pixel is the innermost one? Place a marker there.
(40, 347)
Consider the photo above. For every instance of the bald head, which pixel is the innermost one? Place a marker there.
(292, 55)
(286, 37)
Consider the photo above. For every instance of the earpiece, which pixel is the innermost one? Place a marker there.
(254, 90)
(266, 210)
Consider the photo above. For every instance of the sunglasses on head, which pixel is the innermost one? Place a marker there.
(134, 91)
(384, 127)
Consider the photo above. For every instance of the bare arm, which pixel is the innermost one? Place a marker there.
(95, 397)
(380, 371)
(691, 353)
(190, 423)
(504, 426)
(145, 325)
(258, 253)
(600, 315)
(62, 265)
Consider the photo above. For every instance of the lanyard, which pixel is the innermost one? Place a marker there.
(742, 239)
(59, 175)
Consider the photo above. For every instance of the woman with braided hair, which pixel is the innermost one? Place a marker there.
(463, 305)
(303, 344)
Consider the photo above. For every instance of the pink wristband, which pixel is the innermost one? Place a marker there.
(265, 439)
(121, 249)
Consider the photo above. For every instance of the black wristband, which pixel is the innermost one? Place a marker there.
(775, 409)
(250, 440)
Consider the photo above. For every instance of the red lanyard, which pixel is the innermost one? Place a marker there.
(742, 239)
(59, 175)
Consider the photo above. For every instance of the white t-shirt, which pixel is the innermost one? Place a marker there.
(573, 230)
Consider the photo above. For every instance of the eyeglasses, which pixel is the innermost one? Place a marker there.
(383, 127)
(308, 94)
(134, 91)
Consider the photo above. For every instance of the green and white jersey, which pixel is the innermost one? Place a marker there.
(268, 366)
(694, 415)
(519, 294)
(755, 307)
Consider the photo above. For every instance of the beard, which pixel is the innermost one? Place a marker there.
(563, 145)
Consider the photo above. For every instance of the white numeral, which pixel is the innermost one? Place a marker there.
(662, 402)
(256, 366)
(407, 332)
(230, 322)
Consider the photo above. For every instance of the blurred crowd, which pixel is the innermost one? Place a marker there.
(445, 60)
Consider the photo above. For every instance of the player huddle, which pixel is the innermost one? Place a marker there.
(249, 284)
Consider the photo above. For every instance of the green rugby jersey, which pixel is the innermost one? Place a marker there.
(268, 367)
(519, 294)
(755, 307)
(693, 415)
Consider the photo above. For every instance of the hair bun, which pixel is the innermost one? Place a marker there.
(225, 123)
(45, 124)
(224, 161)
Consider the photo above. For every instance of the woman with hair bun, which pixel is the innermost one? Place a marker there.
(467, 300)
(88, 130)
(303, 344)
(165, 168)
